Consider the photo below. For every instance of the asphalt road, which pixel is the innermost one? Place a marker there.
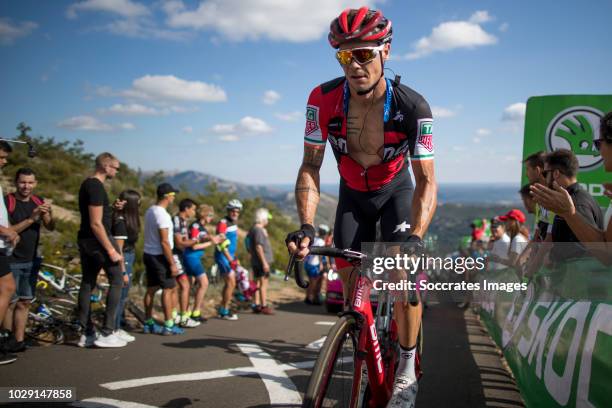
(259, 361)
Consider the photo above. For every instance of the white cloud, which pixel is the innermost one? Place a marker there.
(483, 132)
(229, 138)
(88, 123)
(168, 88)
(131, 109)
(187, 129)
(238, 20)
(290, 116)
(439, 112)
(454, 34)
(127, 126)
(504, 27)
(480, 16)
(270, 97)
(123, 8)
(247, 125)
(85, 123)
(515, 112)
(9, 31)
(476, 140)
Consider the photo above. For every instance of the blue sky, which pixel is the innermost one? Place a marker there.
(220, 86)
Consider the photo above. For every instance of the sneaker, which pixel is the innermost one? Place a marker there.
(152, 328)
(404, 393)
(109, 341)
(125, 336)
(16, 347)
(7, 358)
(87, 340)
(177, 319)
(172, 331)
(188, 323)
(256, 309)
(227, 315)
(267, 310)
(200, 318)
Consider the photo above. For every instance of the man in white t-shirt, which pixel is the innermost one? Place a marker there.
(8, 240)
(500, 245)
(160, 265)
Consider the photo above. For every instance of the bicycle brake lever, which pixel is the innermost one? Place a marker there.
(289, 266)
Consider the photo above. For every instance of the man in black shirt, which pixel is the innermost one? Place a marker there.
(25, 213)
(98, 251)
(561, 169)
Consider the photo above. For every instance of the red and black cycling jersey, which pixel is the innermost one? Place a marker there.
(408, 127)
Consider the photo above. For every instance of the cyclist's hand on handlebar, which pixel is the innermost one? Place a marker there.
(299, 241)
(414, 245)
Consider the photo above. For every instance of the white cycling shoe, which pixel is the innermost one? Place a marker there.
(404, 393)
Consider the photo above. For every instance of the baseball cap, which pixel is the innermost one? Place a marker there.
(513, 214)
(165, 188)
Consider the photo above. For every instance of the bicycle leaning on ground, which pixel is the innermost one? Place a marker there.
(340, 378)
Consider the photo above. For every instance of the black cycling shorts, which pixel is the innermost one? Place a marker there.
(358, 212)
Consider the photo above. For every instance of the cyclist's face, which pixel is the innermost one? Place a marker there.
(361, 77)
(234, 213)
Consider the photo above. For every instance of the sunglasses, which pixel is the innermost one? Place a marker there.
(361, 55)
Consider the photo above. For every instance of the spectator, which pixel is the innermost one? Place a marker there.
(313, 264)
(261, 257)
(528, 202)
(187, 209)
(194, 254)
(519, 237)
(160, 263)
(560, 201)
(534, 169)
(584, 213)
(126, 228)
(99, 251)
(26, 211)
(225, 256)
(499, 245)
(8, 239)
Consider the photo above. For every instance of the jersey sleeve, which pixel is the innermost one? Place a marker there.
(315, 132)
(424, 147)
(221, 227)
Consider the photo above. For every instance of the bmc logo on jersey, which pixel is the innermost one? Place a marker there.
(312, 119)
(425, 138)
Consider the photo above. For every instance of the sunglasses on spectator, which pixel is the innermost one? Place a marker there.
(362, 55)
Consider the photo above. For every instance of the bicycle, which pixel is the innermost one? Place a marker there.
(358, 336)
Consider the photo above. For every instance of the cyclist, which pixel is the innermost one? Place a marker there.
(225, 256)
(374, 125)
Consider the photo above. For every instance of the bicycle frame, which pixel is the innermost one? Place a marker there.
(379, 358)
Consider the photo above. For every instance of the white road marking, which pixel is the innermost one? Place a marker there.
(108, 403)
(325, 323)
(280, 387)
(317, 344)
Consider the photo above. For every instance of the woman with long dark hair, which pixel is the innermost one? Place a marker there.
(125, 230)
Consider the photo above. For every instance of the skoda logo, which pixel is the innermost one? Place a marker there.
(574, 129)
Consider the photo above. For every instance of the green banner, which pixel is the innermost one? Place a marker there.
(569, 122)
(559, 349)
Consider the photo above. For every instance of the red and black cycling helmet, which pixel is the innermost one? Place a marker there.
(360, 24)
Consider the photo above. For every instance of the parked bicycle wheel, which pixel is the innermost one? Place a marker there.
(44, 330)
(331, 381)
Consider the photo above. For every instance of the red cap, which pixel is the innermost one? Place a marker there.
(513, 214)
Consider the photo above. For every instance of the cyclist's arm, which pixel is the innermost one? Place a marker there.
(425, 196)
(307, 186)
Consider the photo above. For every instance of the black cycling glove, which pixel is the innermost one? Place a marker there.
(414, 245)
(305, 231)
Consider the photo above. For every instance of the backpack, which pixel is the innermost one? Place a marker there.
(12, 202)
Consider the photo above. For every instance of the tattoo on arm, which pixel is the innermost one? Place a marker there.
(313, 157)
(307, 185)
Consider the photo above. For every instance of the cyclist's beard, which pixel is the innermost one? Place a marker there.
(382, 74)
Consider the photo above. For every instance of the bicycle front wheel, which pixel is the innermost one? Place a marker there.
(331, 383)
